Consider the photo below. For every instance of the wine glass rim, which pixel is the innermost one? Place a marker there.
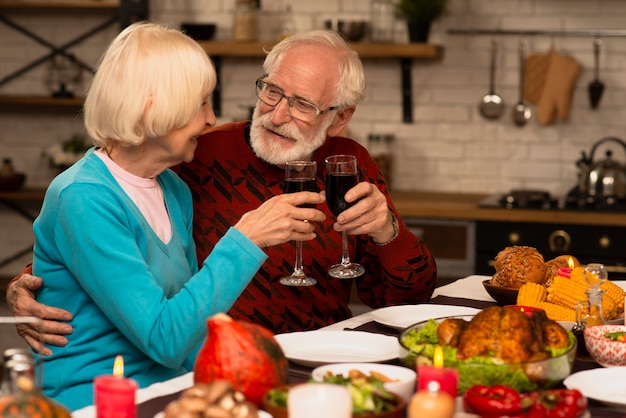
(300, 162)
(340, 158)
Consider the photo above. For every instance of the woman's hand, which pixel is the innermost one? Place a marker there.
(279, 219)
(21, 301)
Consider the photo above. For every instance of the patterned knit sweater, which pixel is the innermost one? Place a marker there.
(227, 179)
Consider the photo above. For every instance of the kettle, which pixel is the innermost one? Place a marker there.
(604, 179)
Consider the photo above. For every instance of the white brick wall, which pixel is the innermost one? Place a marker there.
(449, 147)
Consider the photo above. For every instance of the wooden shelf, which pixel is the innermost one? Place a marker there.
(405, 53)
(365, 50)
(64, 5)
(41, 101)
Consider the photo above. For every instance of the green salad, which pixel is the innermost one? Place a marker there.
(487, 370)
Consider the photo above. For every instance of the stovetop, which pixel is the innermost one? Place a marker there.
(543, 200)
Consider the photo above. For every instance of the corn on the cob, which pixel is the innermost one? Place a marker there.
(616, 293)
(558, 312)
(567, 292)
(531, 294)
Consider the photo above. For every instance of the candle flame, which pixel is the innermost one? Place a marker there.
(570, 262)
(438, 357)
(118, 366)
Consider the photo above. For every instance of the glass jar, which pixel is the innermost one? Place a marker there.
(245, 21)
(382, 20)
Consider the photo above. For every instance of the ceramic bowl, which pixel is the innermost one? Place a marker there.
(352, 30)
(605, 351)
(277, 411)
(11, 183)
(403, 378)
(502, 295)
(540, 374)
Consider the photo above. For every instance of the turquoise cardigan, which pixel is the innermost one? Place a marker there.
(130, 293)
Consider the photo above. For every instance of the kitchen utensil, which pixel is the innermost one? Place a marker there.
(596, 87)
(521, 111)
(604, 179)
(492, 105)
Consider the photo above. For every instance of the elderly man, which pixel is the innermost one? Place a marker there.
(307, 96)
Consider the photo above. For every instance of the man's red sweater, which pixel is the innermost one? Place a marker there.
(227, 179)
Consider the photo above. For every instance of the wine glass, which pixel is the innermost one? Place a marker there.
(299, 176)
(341, 176)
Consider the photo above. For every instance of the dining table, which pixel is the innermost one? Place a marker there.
(465, 292)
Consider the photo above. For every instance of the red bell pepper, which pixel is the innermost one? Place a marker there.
(557, 403)
(493, 401)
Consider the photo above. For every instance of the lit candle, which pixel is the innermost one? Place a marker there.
(115, 395)
(314, 400)
(566, 271)
(528, 310)
(448, 378)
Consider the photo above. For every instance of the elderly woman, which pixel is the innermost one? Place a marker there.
(114, 236)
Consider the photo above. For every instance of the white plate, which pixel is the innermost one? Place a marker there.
(314, 348)
(606, 385)
(403, 316)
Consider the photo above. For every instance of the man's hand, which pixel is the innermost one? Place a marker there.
(21, 300)
(370, 215)
(279, 219)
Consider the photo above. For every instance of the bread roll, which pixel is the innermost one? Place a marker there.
(517, 265)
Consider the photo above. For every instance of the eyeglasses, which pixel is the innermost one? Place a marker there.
(297, 108)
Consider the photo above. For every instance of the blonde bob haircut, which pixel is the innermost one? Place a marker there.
(351, 86)
(150, 81)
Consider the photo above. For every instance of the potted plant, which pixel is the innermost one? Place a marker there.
(419, 14)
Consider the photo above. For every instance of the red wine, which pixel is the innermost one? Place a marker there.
(301, 185)
(336, 187)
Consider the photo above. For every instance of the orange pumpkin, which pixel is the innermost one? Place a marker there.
(245, 354)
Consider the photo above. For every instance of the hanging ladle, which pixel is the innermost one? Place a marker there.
(521, 111)
(492, 105)
(596, 87)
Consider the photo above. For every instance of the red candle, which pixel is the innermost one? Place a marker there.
(448, 378)
(564, 271)
(115, 395)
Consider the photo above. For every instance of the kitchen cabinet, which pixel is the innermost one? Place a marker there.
(404, 53)
(450, 241)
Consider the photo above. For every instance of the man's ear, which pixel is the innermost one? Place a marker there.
(341, 120)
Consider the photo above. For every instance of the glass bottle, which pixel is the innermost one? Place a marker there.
(595, 274)
(19, 369)
(288, 26)
(589, 311)
(245, 21)
(382, 20)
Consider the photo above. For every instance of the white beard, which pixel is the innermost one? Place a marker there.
(274, 153)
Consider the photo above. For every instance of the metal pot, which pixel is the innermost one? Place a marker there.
(604, 179)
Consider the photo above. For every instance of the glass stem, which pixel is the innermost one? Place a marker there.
(298, 270)
(345, 257)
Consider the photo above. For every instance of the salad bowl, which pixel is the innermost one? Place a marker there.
(524, 377)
